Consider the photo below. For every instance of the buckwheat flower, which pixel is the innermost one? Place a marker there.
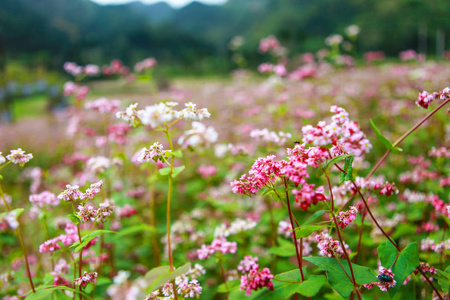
(154, 152)
(72, 68)
(2, 158)
(91, 70)
(158, 114)
(121, 277)
(61, 268)
(86, 278)
(352, 30)
(191, 113)
(346, 217)
(19, 157)
(269, 43)
(265, 68)
(43, 198)
(256, 279)
(204, 252)
(103, 105)
(50, 246)
(334, 39)
(94, 189)
(285, 228)
(130, 115)
(199, 136)
(330, 247)
(148, 63)
(247, 264)
(71, 193)
(98, 164)
(196, 271)
(9, 221)
(106, 208)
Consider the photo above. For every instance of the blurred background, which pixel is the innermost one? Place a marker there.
(194, 37)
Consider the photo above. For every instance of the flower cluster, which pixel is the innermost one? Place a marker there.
(220, 245)
(346, 217)
(256, 279)
(89, 213)
(103, 105)
(207, 171)
(269, 43)
(44, 198)
(86, 278)
(8, 220)
(341, 133)
(199, 136)
(73, 193)
(75, 70)
(329, 246)
(146, 64)
(386, 278)
(79, 91)
(155, 152)
(18, 157)
(267, 136)
(430, 245)
(247, 263)
(425, 98)
(188, 288)
(161, 113)
(239, 225)
(66, 239)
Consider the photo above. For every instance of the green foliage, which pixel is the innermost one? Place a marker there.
(157, 277)
(405, 262)
(338, 279)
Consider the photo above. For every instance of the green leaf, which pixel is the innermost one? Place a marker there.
(284, 285)
(229, 286)
(135, 229)
(349, 168)
(42, 292)
(18, 211)
(75, 220)
(312, 285)
(381, 137)
(285, 248)
(330, 163)
(314, 216)
(89, 237)
(444, 279)
(164, 171)
(177, 170)
(342, 178)
(305, 231)
(337, 277)
(406, 263)
(157, 277)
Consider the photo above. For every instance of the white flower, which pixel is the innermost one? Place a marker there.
(154, 151)
(2, 158)
(19, 157)
(199, 135)
(191, 113)
(98, 164)
(158, 114)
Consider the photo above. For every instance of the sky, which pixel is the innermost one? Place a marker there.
(174, 3)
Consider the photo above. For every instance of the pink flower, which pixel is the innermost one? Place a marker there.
(330, 247)
(19, 157)
(256, 279)
(86, 278)
(247, 264)
(71, 193)
(269, 43)
(265, 68)
(207, 170)
(44, 198)
(386, 278)
(346, 217)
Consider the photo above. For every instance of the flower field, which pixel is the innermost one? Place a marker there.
(321, 181)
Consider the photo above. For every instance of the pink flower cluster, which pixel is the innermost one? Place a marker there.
(346, 217)
(8, 220)
(430, 245)
(188, 288)
(79, 91)
(269, 43)
(307, 195)
(409, 54)
(67, 239)
(207, 171)
(329, 246)
(86, 278)
(116, 67)
(302, 72)
(146, 64)
(439, 152)
(19, 157)
(256, 279)
(73, 193)
(425, 98)
(89, 213)
(75, 70)
(103, 105)
(44, 198)
(374, 56)
(220, 245)
(126, 211)
(341, 132)
(247, 264)
(383, 285)
(279, 69)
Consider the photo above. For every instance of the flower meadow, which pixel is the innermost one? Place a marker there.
(312, 178)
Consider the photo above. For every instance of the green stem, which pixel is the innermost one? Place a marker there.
(169, 199)
(80, 257)
(24, 249)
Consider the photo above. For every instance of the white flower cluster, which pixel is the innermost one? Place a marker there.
(270, 136)
(239, 225)
(162, 113)
(199, 136)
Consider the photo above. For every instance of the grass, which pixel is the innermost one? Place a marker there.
(29, 107)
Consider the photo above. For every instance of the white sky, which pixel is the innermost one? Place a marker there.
(174, 3)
